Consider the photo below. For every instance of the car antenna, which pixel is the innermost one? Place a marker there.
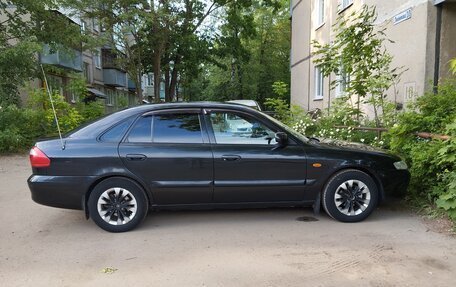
(53, 108)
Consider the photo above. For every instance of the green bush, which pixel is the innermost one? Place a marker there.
(432, 161)
(68, 116)
(11, 140)
(21, 127)
(91, 111)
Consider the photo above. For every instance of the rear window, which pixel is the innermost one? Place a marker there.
(116, 133)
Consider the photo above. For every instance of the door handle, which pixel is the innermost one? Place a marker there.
(230, 157)
(136, 157)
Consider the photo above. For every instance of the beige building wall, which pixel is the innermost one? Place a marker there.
(413, 48)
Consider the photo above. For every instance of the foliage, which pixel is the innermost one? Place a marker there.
(23, 30)
(280, 108)
(248, 57)
(17, 64)
(432, 162)
(91, 110)
(69, 118)
(360, 61)
(19, 128)
(453, 66)
(447, 158)
(280, 89)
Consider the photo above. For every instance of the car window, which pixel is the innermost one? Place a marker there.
(141, 131)
(232, 128)
(116, 133)
(177, 128)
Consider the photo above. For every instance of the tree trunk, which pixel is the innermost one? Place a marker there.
(157, 76)
(139, 91)
(174, 75)
(239, 71)
(167, 81)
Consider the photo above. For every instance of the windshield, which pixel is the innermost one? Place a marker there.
(288, 129)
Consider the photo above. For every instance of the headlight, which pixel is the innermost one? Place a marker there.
(400, 165)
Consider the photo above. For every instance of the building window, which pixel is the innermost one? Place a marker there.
(83, 26)
(87, 72)
(318, 83)
(110, 97)
(55, 84)
(320, 4)
(343, 4)
(342, 79)
(96, 26)
(97, 59)
(150, 79)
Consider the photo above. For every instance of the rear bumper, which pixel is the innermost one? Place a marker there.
(395, 183)
(60, 191)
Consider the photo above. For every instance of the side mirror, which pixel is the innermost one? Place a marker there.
(281, 139)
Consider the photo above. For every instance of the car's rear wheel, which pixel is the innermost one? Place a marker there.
(117, 204)
(350, 196)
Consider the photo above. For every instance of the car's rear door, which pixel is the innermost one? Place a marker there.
(248, 166)
(170, 151)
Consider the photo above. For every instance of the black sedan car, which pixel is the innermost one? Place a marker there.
(205, 155)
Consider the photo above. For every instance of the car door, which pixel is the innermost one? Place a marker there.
(170, 151)
(248, 165)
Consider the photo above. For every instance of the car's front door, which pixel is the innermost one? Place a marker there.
(170, 151)
(248, 166)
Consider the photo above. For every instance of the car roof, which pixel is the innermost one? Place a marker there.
(92, 130)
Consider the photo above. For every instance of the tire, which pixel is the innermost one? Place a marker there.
(118, 204)
(350, 196)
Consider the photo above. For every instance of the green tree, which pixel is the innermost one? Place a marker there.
(24, 27)
(358, 51)
(247, 63)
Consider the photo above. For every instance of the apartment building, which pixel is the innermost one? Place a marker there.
(424, 38)
(104, 78)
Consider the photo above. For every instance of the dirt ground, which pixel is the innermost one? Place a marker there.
(43, 246)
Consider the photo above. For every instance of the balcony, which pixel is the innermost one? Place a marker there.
(114, 77)
(131, 85)
(63, 58)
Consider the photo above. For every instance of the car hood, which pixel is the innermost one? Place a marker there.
(341, 144)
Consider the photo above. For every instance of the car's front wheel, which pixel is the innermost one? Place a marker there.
(117, 204)
(350, 196)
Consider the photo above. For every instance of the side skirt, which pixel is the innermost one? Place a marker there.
(244, 205)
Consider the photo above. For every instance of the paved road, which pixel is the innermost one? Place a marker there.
(42, 246)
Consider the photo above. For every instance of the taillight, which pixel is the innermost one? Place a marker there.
(39, 158)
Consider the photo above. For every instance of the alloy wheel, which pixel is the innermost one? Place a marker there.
(117, 206)
(352, 197)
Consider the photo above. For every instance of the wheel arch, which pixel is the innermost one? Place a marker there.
(86, 196)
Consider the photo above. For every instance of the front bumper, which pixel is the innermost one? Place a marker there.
(60, 191)
(395, 183)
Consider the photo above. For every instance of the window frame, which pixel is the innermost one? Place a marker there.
(343, 79)
(83, 26)
(274, 128)
(113, 126)
(341, 7)
(198, 112)
(110, 101)
(321, 13)
(319, 80)
(97, 59)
